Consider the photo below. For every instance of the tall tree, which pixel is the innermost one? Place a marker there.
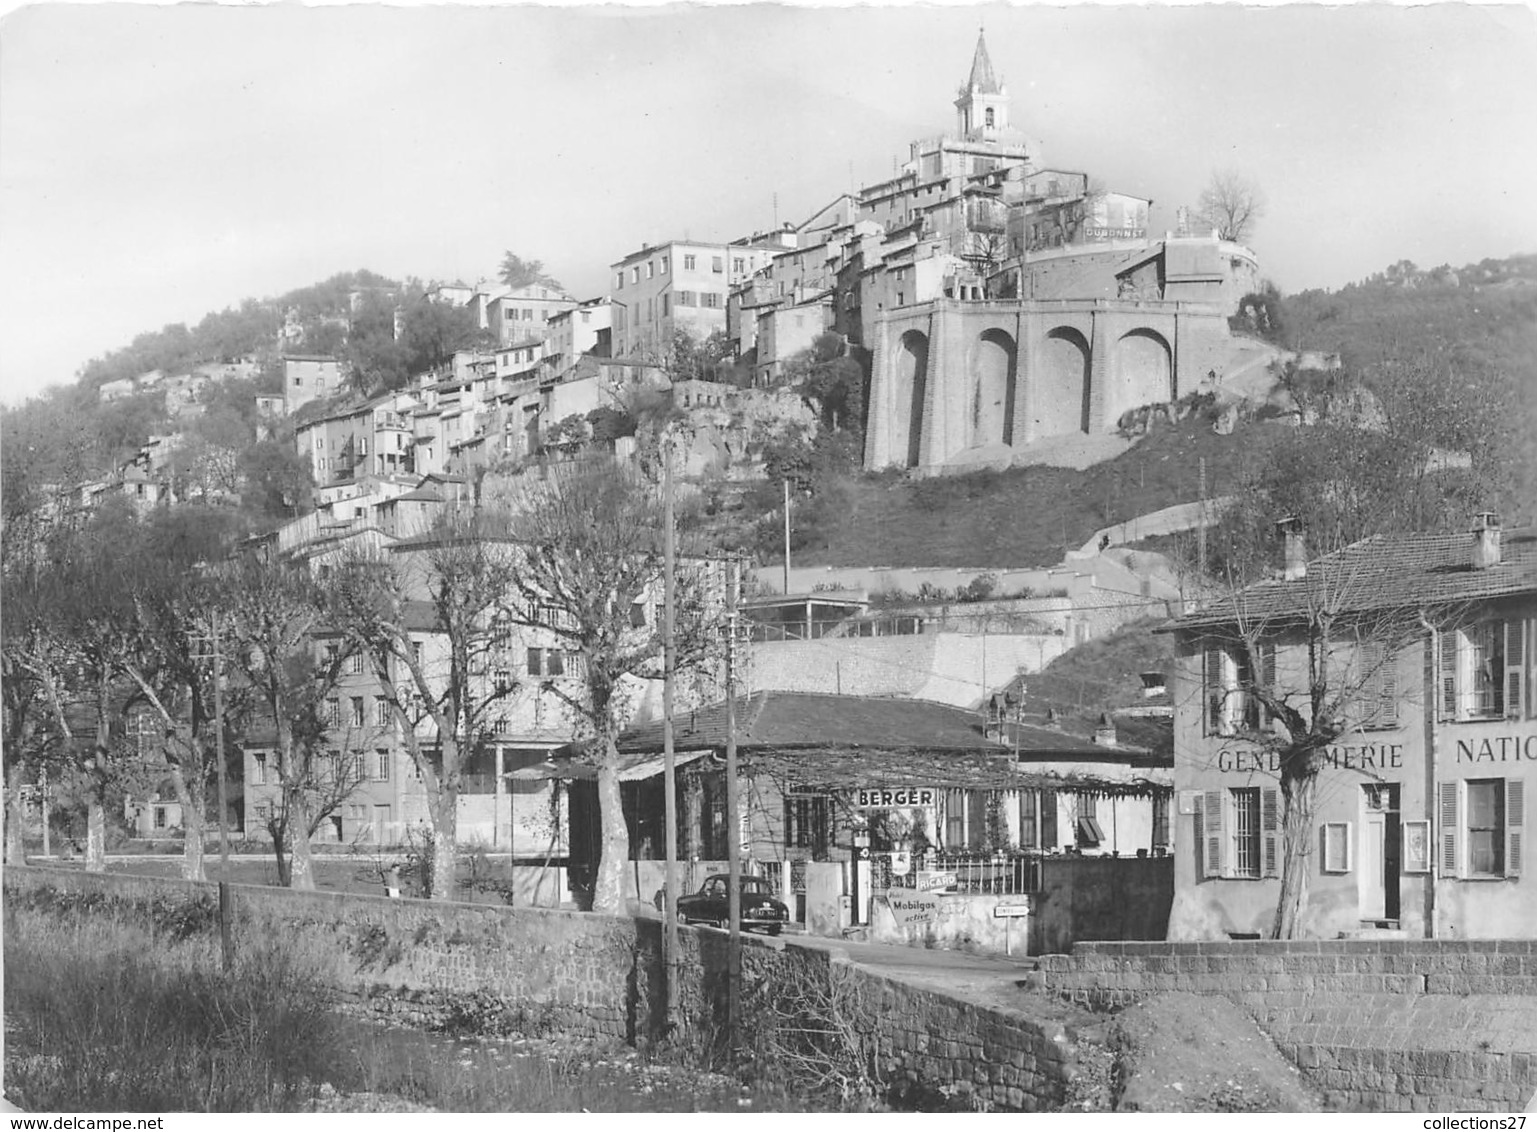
(432, 624)
(273, 612)
(591, 566)
(518, 272)
(1232, 204)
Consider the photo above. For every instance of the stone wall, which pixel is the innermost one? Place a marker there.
(1378, 1025)
(418, 962)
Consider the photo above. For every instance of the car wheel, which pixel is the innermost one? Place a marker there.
(773, 929)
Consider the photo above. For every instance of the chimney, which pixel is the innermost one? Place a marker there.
(1104, 732)
(1296, 561)
(1486, 540)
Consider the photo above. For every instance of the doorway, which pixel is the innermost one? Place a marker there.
(1380, 864)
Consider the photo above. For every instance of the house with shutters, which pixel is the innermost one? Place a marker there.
(1420, 803)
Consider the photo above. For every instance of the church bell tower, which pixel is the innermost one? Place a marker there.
(982, 110)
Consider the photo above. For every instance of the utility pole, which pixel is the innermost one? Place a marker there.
(1201, 522)
(43, 778)
(787, 538)
(733, 821)
(669, 756)
(218, 738)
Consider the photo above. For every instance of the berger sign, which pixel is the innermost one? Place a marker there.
(888, 797)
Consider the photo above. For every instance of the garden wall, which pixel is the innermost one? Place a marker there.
(1379, 1025)
(421, 963)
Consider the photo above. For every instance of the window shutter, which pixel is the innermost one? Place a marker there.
(1448, 809)
(1211, 685)
(1211, 807)
(1515, 822)
(1446, 673)
(1515, 668)
(1270, 822)
(1387, 688)
(1048, 820)
(1266, 680)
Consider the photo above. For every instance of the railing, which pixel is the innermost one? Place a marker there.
(996, 873)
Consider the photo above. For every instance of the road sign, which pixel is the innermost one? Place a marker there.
(930, 882)
(1011, 910)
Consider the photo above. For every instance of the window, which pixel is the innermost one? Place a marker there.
(1038, 820)
(381, 764)
(1237, 831)
(664, 306)
(637, 615)
(1088, 830)
(258, 770)
(1482, 671)
(536, 662)
(357, 711)
(988, 121)
(808, 823)
(664, 272)
(689, 262)
(381, 711)
(1228, 680)
(710, 299)
(635, 274)
(1246, 831)
(717, 264)
(1161, 821)
(650, 269)
(333, 712)
(1483, 826)
(554, 662)
(331, 652)
(1377, 693)
(502, 681)
(619, 281)
(159, 818)
(1336, 846)
(739, 265)
(355, 664)
(685, 299)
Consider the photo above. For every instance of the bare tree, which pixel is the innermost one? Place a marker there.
(432, 625)
(326, 781)
(591, 563)
(273, 611)
(1232, 204)
(1293, 667)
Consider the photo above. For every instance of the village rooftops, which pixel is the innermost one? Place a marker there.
(1381, 573)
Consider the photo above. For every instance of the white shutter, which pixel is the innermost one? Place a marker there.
(1515, 823)
(1212, 833)
(1270, 822)
(1448, 819)
(1446, 673)
(1515, 668)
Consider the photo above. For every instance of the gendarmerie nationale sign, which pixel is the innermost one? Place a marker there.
(888, 797)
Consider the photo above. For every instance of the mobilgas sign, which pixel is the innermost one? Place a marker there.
(889, 797)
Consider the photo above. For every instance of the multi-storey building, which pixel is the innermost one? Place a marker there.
(679, 285)
(308, 378)
(518, 314)
(373, 439)
(1419, 819)
(572, 333)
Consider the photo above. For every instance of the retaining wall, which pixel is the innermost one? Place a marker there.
(1378, 1025)
(416, 962)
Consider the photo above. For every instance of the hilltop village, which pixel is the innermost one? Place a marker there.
(981, 309)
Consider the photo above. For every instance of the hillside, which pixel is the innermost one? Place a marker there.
(1029, 516)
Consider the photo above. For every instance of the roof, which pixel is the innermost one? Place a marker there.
(1380, 573)
(982, 78)
(803, 720)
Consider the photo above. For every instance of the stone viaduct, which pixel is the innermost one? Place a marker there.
(950, 375)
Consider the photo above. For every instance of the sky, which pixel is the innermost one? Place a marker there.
(159, 162)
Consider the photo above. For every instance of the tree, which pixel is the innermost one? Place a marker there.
(273, 612)
(432, 331)
(831, 382)
(592, 562)
(1232, 204)
(518, 272)
(433, 627)
(278, 482)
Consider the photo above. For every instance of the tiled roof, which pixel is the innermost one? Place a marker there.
(1383, 572)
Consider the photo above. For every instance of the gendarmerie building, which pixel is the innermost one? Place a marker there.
(1421, 801)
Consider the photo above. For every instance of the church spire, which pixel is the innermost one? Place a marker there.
(982, 80)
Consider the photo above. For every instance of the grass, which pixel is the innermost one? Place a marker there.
(1030, 516)
(129, 1012)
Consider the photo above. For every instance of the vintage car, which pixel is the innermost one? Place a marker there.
(710, 905)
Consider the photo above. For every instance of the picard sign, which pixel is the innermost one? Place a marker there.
(888, 797)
